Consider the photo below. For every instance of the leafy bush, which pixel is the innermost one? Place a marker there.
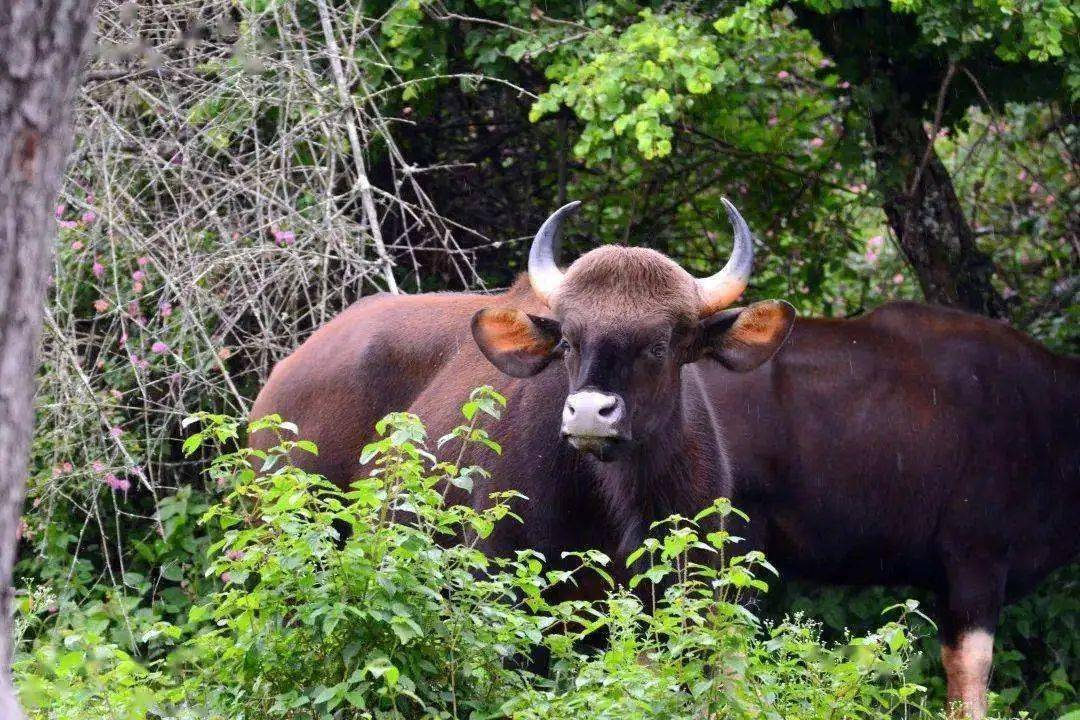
(377, 602)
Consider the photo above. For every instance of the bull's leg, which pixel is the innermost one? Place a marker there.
(972, 603)
(967, 662)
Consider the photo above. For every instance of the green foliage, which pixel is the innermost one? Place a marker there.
(211, 208)
(377, 602)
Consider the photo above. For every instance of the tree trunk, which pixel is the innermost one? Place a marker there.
(924, 212)
(41, 44)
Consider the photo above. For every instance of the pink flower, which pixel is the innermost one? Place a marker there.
(825, 62)
(783, 75)
(138, 276)
(137, 287)
(98, 269)
(159, 347)
(284, 237)
(817, 142)
(1022, 175)
(67, 466)
(117, 483)
(773, 121)
(123, 339)
(1050, 200)
(117, 395)
(77, 245)
(876, 242)
(101, 305)
(165, 308)
(871, 256)
(115, 432)
(60, 210)
(1035, 187)
(98, 466)
(235, 555)
(142, 260)
(898, 278)
(89, 217)
(68, 224)
(844, 85)
(226, 578)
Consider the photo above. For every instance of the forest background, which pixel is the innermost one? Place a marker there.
(243, 170)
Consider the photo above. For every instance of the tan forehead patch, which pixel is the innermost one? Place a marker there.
(616, 281)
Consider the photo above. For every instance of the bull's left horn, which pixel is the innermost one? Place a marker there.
(720, 290)
(544, 274)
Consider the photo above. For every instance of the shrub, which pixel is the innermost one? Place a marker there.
(376, 602)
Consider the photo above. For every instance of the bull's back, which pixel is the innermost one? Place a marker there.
(374, 358)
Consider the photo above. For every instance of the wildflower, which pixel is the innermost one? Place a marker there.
(898, 278)
(67, 466)
(773, 121)
(226, 578)
(235, 555)
(60, 210)
(138, 276)
(825, 62)
(89, 217)
(1035, 187)
(817, 142)
(117, 483)
(1050, 199)
(142, 260)
(137, 287)
(77, 245)
(1022, 175)
(115, 432)
(844, 85)
(101, 305)
(165, 308)
(116, 394)
(783, 75)
(159, 348)
(98, 466)
(68, 224)
(284, 237)
(98, 269)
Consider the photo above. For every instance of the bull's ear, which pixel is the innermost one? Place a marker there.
(743, 338)
(517, 343)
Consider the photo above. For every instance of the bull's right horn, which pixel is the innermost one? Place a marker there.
(544, 274)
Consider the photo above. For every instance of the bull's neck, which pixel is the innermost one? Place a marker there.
(661, 475)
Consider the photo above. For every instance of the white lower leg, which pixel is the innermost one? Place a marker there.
(967, 671)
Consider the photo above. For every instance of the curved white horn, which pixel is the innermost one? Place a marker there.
(720, 290)
(544, 274)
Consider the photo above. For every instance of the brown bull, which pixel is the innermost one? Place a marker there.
(914, 445)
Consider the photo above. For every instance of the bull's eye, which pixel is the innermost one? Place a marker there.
(658, 350)
(564, 345)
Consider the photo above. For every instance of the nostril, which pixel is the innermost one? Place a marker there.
(607, 410)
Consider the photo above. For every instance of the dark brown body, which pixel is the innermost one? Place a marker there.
(914, 445)
(415, 353)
